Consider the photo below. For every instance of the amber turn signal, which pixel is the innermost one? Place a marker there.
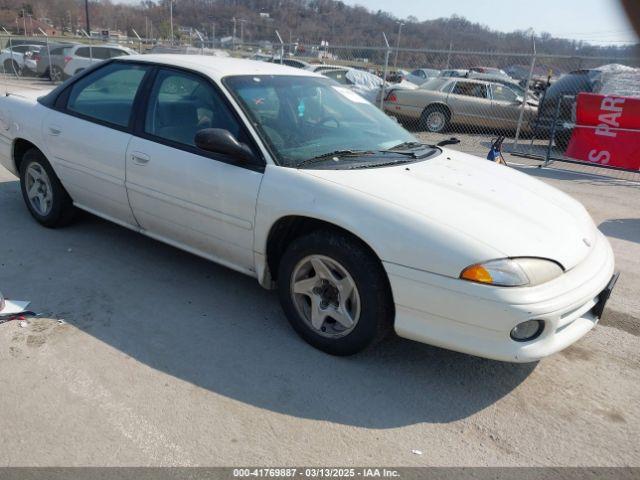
(476, 273)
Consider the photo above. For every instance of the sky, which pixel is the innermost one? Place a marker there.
(594, 21)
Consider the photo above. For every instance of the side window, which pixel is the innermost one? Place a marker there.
(100, 53)
(83, 52)
(339, 76)
(469, 89)
(502, 93)
(108, 93)
(116, 52)
(181, 104)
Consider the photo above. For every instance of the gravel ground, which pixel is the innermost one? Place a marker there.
(145, 355)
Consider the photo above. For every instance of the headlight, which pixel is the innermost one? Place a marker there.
(513, 272)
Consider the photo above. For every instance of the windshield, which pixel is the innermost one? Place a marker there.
(301, 117)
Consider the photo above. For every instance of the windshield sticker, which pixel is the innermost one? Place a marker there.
(353, 96)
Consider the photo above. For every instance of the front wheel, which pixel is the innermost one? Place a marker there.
(12, 67)
(435, 120)
(335, 292)
(45, 197)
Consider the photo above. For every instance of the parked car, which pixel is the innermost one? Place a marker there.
(13, 59)
(490, 71)
(79, 57)
(456, 73)
(50, 62)
(441, 102)
(365, 84)
(323, 67)
(287, 177)
(291, 62)
(421, 75)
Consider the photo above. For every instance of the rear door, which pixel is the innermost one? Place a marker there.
(470, 104)
(198, 200)
(87, 137)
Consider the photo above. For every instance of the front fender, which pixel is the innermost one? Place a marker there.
(395, 234)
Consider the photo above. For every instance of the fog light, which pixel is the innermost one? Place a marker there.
(526, 331)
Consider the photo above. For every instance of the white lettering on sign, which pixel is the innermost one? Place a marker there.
(608, 119)
(599, 156)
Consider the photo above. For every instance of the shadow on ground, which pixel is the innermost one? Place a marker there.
(219, 330)
(622, 228)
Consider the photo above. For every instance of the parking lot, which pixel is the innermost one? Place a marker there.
(146, 355)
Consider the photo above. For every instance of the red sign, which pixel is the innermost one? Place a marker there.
(607, 131)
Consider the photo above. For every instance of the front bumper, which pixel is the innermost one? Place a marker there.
(476, 319)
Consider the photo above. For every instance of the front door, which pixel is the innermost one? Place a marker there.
(199, 201)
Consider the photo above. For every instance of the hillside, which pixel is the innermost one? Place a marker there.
(305, 21)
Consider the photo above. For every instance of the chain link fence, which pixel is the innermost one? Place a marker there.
(527, 97)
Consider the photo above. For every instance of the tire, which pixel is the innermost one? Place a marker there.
(369, 305)
(56, 74)
(51, 205)
(435, 119)
(12, 67)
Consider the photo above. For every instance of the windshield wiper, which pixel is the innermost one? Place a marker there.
(335, 153)
(406, 145)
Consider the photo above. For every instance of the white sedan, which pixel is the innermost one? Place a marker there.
(288, 177)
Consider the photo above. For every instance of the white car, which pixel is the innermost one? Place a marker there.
(283, 175)
(18, 58)
(79, 57)
(421, 75)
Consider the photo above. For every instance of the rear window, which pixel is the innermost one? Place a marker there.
(435, 83)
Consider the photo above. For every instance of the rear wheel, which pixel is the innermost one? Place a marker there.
(56, 74)
(12, 67)
(45, 197)
(335, 292)
(434, 119)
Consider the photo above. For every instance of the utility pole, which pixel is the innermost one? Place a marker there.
(86, 14)
(233, 36)
(395, 62)
(242, 22)
(171, 18)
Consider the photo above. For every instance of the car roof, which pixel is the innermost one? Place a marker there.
(219, 67)
(470, 80)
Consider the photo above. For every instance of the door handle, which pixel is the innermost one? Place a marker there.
(54, 131)
(140, 158)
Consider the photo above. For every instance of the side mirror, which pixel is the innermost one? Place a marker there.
(218, 140)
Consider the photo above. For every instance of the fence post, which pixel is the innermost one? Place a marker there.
(552, 134)
(526, 95)
(13, 62)
(281, 47)
(48, 50)
(386, 68)
(449, 55)
(139, 40)
(4, 72)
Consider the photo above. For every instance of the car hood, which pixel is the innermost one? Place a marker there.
(506, 210)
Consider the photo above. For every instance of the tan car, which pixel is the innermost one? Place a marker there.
(441, 102)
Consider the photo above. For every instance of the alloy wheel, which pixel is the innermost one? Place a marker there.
(38, 187)
(325, 296)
